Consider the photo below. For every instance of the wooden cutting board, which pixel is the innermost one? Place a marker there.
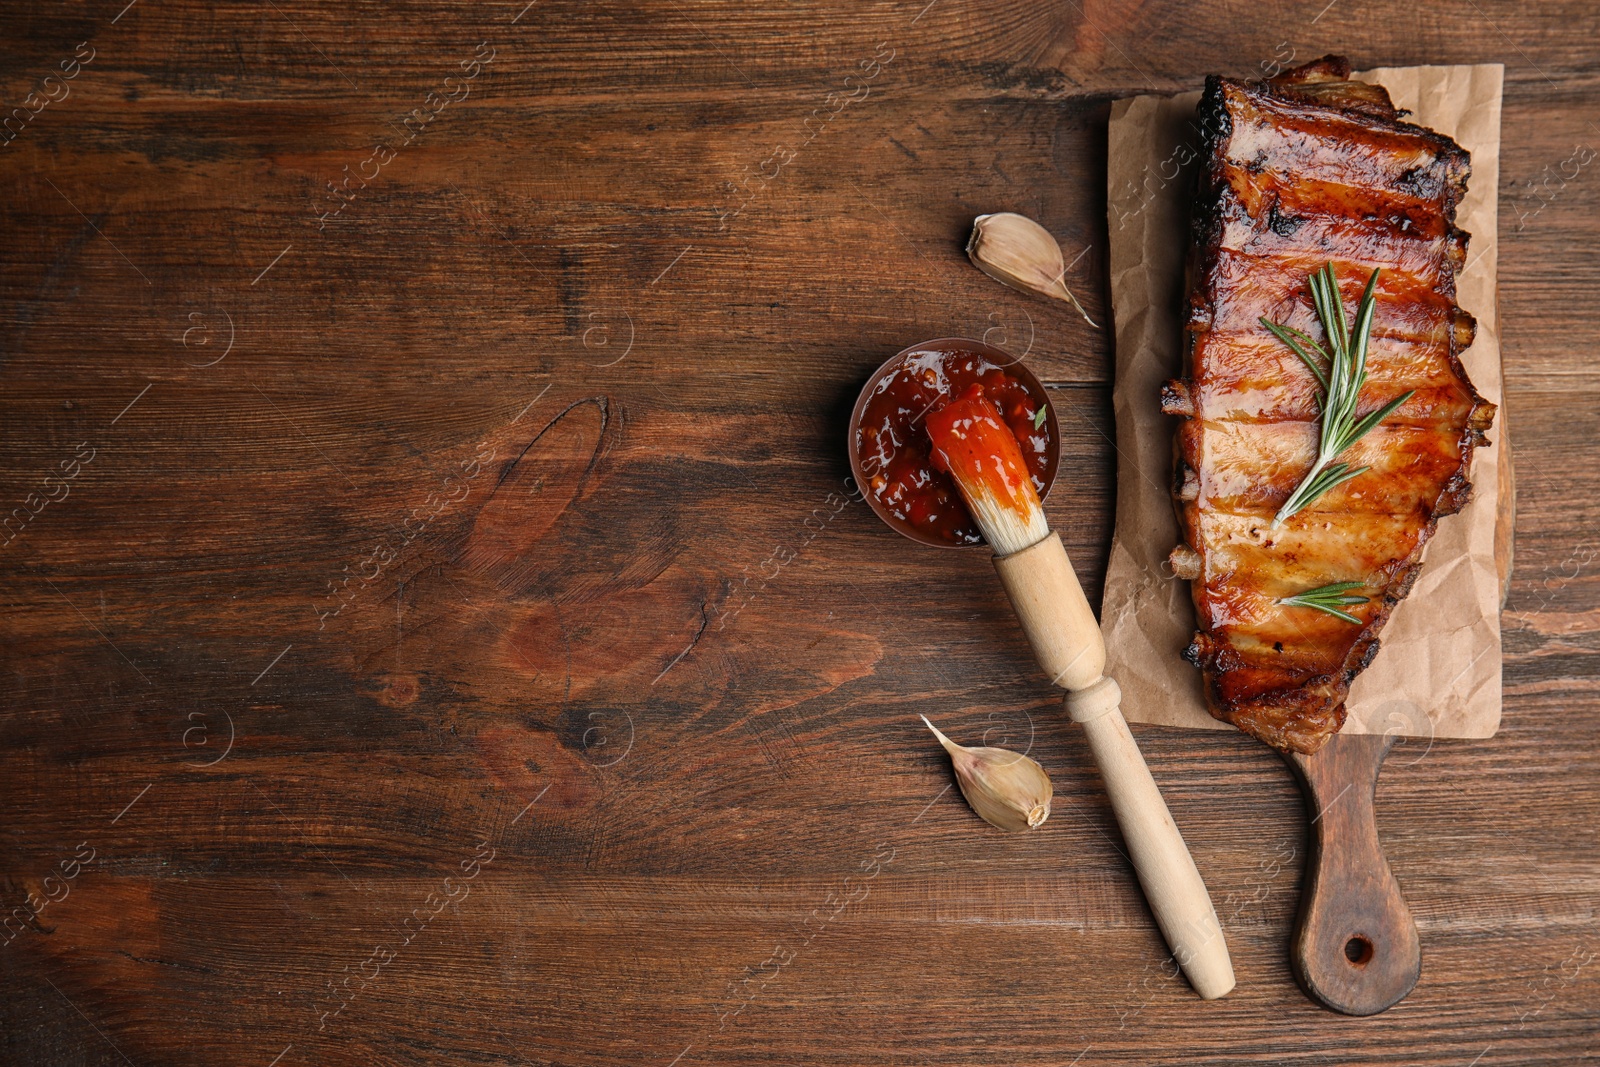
(1355, 948)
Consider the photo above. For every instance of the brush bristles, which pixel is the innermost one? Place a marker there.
(1005, 528)
(983, 458)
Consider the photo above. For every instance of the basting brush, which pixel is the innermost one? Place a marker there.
(979, 451)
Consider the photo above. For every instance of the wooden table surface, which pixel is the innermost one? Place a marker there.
(437, 628)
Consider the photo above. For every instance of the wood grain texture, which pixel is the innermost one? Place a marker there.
(522, 483)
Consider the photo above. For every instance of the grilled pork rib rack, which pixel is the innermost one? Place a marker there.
(1301, 171)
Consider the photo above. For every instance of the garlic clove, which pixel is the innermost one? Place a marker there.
(1005, 788)
(1016, 251)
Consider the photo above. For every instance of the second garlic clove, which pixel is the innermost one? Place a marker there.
(1005, 788)
(1016, 251)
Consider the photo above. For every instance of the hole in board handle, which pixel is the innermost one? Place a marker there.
(1358, 950)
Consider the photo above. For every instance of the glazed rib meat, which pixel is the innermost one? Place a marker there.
(1301, 171)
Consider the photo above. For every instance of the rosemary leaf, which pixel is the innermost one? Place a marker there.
(1327, 598)
(1295, 340)
(1340, 368)
(1359, 430)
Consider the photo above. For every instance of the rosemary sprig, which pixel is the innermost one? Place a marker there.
(1340, 368)
(1328, 598)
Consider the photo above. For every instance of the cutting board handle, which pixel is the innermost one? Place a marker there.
(1355, 945)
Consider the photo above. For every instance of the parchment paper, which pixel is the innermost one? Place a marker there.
(1438, 669)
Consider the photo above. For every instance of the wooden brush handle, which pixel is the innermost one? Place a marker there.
(1355, 945)
(1171, 882)
(1054, 613)
(1066, 640)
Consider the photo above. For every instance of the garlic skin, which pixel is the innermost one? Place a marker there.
(1005, 788)
(1016, 251)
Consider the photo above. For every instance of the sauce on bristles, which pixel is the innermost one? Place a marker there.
(978, 450)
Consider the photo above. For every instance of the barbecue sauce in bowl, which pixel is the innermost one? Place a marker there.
(890, 450)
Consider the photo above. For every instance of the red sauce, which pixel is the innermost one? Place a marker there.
(894, 447)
